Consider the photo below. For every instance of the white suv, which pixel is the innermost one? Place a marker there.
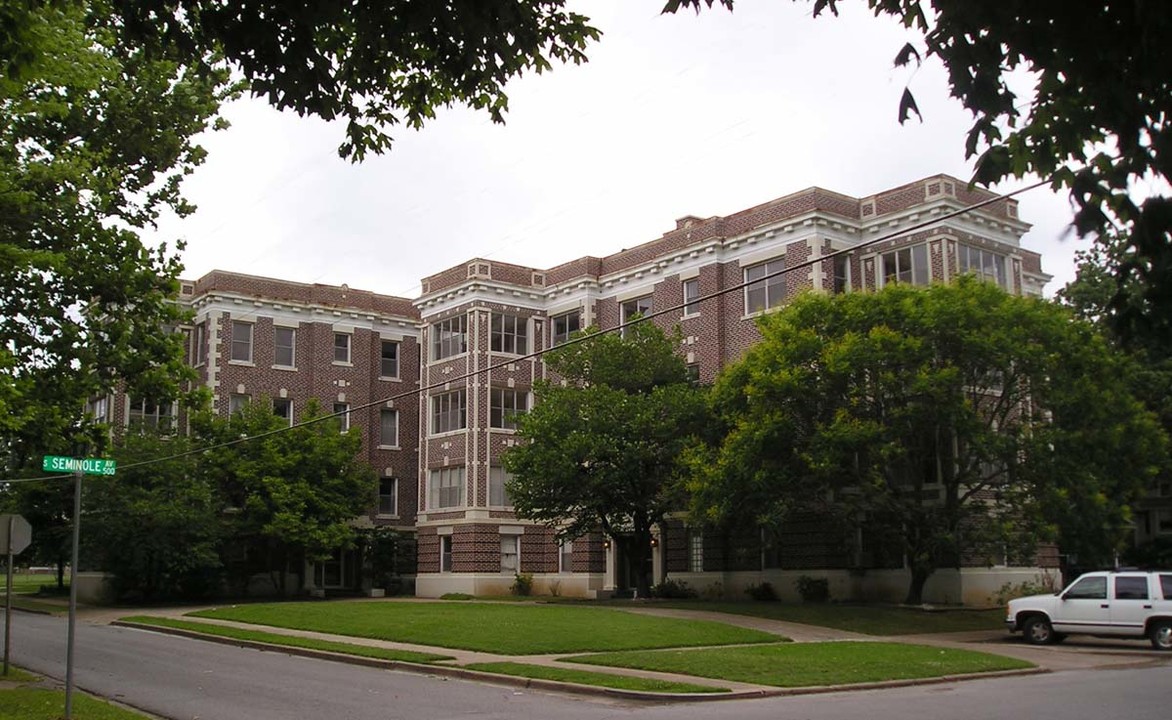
(1120, 603)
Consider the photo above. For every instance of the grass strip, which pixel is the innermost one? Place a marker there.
(288, 640)
(28, 703)
(866, 619)
(586, 677)
(502, 628)
(23, 602)
(811, 664)
(15, 674)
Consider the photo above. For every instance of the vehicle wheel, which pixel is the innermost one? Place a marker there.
(1038, 631)
(1161, 635)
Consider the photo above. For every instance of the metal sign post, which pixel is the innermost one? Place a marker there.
(17, 536)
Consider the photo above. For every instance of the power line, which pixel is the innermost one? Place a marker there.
(581, 339)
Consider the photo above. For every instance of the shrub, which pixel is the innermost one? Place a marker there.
(1040, 585)
(813, 590)
(522, 584)
(456, 596)
(715, 591)
(673, 590)
(762, 593)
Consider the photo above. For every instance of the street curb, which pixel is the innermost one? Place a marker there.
(567, 687)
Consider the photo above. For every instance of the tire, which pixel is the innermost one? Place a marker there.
(1160, 634)
(1038, 631)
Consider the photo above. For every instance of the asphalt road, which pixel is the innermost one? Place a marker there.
(187, 679)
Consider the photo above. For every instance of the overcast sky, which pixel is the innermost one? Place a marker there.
(673, 115)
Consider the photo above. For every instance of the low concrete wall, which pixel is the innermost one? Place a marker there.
(95, 588)
(580, 585)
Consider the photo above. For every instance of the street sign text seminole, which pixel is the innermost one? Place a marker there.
(89, 466)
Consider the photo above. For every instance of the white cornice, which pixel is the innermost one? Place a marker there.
(288, 312)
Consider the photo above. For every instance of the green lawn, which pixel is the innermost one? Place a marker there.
(505, 628)
(33, 703)
(288, 640)
(586, 677)
(811, 664)
(868, 619)
(27, 583)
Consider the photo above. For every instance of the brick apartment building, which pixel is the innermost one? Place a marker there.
(438, 454)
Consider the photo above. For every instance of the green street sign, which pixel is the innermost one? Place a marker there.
(88, 466)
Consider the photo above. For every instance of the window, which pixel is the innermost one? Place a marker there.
(695, 551)
(565, 325)
(510, 334)
(388, 424)
(283, 408)
(510, 553)
(197, 337)
(1163, 522)
(449, 337)
(145, 414)
(631, 308)
(1131, 587)
(445, 553)
(764, 292)
(342, 411)
(237, 403)
(283, 343)
(1166, 586)
(241, 341)
(566, 556)
(691, 293)
(505, 405)
(841, 282)
(693, 373)
(388, 496)
(389, 359)
(99, 409)
(985, 264)
(498, 494)
(448, 412)
(1092, 588)
(906, 265)
(447, 487)
(341, 347)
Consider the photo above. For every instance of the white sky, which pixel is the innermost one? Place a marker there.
(673, 115)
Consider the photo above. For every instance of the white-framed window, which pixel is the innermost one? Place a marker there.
(510, 334)
(504, 405)
(388, 428)
(145, 414)
(241, 341)
(389, 359)
(448, 412)
(388, 496)
(1163, 522)
(764, 292)
(99, 409)
(906, 265)
(342, 410)
(841, 268)
(565, 325)
(566, 556)
(510, 553)
(985, 264)
(639, 306)
(445, 553)
(449, 337)
(197, 342)
(446, 487)
(498, 493)
(691, 294)
(283, 408)
(693, 370)
(341, 347)
(237, 402)
(695, 551)
(284, 346)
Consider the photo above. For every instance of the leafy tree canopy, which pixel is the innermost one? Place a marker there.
(602, 449)
(1097, 120)
(964, 418)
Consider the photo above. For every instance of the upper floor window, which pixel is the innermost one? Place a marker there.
(841, 281)
(498, 494)
(342, 412)
(145, 414)
(388, 496)
(342, 347)
(763, 291)
(510, 334)
(284, 339)
(985, 264)
(448, 412)
(389, 359)
(241, 341)
(449, 337)
(505, 405)
(197, 342)
(691, 295)
(237, 402)
(388, 433)
(565, 325)
(632, 308)
(446, 487)
(99, 408)
(283, 408)
(906, 265)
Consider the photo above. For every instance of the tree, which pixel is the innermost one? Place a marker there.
(1096, 122)
(954, 419)
(602, 451)
(292, 495)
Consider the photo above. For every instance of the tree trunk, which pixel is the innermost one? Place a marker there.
(641, 548)
(915, 590)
